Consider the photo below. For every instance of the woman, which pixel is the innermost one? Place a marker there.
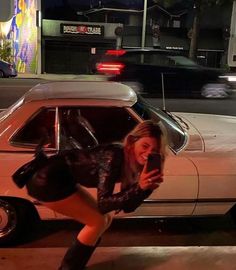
(59, 185)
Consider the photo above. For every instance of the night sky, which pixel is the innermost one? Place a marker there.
(67, 9)
(94, 3)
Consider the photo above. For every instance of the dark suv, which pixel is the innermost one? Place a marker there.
(159, 71)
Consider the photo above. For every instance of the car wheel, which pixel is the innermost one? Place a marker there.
(233, 213)
(1, 74)
(16, 215)
(214, 91)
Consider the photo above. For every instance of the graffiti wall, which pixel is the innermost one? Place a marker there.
(24, 33)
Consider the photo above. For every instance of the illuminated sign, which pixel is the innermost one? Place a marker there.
(82, 29)
(174, 48)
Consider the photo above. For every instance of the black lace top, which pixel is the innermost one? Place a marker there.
(101, 167)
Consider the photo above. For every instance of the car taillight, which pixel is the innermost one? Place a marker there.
(115, 52)
(110, 68)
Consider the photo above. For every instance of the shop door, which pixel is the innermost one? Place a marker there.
(66, 57)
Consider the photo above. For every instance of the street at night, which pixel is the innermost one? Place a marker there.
(122, 156)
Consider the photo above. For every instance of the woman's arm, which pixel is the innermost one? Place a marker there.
(126, 200)
(110, 170)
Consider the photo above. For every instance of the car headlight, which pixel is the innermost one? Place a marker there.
(229, 78)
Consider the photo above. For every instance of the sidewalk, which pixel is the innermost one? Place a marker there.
(48, 76)
(125, 258)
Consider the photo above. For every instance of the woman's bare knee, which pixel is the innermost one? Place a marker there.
(100, 223)
(109, 218)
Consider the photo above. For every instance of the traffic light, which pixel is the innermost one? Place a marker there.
(6, 10)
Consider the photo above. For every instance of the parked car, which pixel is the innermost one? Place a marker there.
(199, 173)
(164, 72)
(7, 70)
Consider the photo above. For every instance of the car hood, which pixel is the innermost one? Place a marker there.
(217, 132)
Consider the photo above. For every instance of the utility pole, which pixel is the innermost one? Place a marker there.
(144, 24)
(232, 40)
(39, 34)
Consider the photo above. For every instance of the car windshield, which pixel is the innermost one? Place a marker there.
(5, 113)
(176, 135)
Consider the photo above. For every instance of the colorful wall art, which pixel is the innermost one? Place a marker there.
(24, 31)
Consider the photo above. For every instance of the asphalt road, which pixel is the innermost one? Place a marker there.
(12, 89)
(215, 231)
(210, 106)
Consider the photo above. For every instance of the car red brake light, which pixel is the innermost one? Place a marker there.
(110, 68)
(115, 52)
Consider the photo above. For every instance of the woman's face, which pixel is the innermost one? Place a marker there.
(143, 147)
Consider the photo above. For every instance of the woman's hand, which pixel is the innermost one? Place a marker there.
(150, 180)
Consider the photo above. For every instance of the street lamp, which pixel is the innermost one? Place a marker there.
(144, 24)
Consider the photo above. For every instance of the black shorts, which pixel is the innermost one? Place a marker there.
(53, 182)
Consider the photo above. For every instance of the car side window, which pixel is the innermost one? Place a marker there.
(39, 129)
(131, 58)
(158, 60)
(75, 130)
(95, 125)
(111, 124)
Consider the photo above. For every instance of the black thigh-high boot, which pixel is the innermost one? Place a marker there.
(77, 256)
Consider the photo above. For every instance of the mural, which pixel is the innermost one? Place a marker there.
(24, 33)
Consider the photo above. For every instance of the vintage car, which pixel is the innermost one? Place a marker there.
(199, 173)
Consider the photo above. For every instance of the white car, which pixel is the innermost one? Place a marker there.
(199, 173)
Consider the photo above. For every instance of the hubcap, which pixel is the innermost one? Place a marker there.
(7, 218)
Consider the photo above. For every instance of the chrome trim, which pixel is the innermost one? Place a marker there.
(205, 200)
(57, 129)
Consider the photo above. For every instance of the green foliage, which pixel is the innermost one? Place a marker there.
(6, 51)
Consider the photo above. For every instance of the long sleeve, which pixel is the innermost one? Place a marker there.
(127, 200)
(136, 199)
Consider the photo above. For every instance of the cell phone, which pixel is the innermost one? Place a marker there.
(154, 162)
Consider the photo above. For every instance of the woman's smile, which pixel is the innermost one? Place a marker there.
(143, 147)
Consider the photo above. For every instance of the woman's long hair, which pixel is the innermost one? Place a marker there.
(131, 169)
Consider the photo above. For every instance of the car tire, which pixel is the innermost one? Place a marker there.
(16, 216)
(212, 92)
(233, 213)
(1, 74)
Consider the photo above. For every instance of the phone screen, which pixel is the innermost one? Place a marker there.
(154, 162)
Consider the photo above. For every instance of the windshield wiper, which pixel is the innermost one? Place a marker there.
(177, 119)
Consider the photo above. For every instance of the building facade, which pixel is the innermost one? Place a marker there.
(72, 46)
(60, 46)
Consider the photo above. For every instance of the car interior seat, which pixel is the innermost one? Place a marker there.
(78, 130)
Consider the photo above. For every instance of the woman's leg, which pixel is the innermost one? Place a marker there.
(93, 202)
(82, 207)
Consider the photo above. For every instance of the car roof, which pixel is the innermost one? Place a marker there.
(114, 54)
(102, 90)
(150, 50)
